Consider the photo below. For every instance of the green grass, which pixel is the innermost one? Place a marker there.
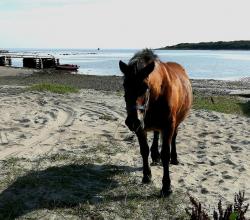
(224, 104)
(107, 117)
(54, 88)
(59, 185)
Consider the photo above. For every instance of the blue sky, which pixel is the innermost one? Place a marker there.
(120, 23)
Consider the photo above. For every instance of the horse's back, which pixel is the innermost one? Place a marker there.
(176, 69)
(181, 90)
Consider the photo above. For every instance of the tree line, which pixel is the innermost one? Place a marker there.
(219, 45)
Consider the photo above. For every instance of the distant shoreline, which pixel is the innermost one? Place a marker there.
(218, 45)
(228, 65)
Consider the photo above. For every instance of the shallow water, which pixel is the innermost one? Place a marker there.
(203, 64)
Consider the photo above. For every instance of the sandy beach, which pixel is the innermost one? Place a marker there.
(213, 148)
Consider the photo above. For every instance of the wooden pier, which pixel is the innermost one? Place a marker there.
(29, 60)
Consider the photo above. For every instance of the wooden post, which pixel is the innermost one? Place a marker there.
(8, 61)
(2, 61)
(41, 63)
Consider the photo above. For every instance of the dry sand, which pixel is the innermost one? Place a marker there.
(213, 148)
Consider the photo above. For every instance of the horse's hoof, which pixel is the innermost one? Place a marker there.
(165, 193)
(174, 162)
(146, 179)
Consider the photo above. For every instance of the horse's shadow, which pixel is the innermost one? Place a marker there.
(58, 187)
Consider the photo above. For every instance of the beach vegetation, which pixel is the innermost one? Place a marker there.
(54, 88)
(107, 117)
(223, 104)
(235, 211)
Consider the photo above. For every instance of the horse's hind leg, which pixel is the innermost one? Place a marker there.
(144, 148)
(174, 159)
(155, 155)
(165, 157)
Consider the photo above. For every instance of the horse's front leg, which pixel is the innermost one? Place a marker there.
(167, 135)
(144, 148)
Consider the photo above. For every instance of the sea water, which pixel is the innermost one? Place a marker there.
(200, 64)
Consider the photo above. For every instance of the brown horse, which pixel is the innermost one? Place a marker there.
(158, 97)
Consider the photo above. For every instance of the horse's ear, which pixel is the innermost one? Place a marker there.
(147, 70)
(123, 67)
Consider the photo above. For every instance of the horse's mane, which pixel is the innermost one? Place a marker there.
(142, 58)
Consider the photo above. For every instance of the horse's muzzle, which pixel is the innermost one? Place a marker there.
(134, 124)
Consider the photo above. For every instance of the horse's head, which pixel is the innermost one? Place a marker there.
(137, 93)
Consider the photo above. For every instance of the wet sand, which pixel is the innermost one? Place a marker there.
(23, 77)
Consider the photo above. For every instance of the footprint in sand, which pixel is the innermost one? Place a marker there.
(236, 148)
(201, 153)
(23, 120)
(217, 136)
(201, 145)
(52, 113)
(229, 162)
(205, 133)
(245, 142)
(40, 120)
(204, 190)
(227, 177)
(42, 102)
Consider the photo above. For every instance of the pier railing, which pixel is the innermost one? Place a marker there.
(37, 61)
